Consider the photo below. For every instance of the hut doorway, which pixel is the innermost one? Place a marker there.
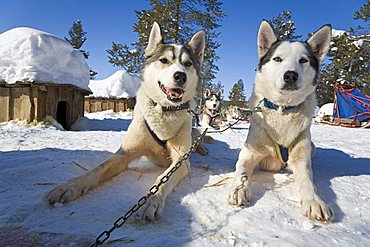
(62, 113)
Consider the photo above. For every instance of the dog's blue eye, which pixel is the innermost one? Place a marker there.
(164, 60)
(303, 60)
(188, 64)
(277, 59)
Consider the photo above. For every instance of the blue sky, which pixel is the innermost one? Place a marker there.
(111, 20)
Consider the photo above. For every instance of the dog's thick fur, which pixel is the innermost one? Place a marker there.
(211, 117)
(169, 78)
(289, 127)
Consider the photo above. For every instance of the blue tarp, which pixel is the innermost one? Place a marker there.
(352, 105)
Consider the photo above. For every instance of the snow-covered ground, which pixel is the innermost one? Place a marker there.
(34, 158)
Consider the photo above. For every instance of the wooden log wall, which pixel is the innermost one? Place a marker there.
(34, 102)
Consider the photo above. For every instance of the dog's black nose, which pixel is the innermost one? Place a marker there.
(291, 77)
(214, 105)
(180, 78)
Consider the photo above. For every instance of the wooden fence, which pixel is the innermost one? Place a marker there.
(102, 104)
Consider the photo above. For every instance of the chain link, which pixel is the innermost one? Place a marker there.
(104, 236)
(243, 179)
(228, 127)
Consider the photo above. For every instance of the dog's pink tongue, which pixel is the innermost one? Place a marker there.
(175, 93)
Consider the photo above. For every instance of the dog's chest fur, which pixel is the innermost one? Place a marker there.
(165, 125)
(284, 126)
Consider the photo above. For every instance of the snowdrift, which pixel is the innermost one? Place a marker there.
(28, 54)
(119, 85)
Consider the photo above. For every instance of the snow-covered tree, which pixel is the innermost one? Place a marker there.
(77, 37)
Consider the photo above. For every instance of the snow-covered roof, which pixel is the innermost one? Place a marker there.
(28, 54)
(119, 85)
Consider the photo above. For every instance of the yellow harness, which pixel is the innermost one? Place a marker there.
(282, 153)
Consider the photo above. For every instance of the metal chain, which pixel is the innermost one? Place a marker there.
(228, 127)
(243, 179)
(153, 190)
(104, 236)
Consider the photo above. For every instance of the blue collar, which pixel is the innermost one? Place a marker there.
(268, 104)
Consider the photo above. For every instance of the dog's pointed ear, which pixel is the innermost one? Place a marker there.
(155, 38)
(197, 44)
(219, 94)
(208, 93)
(320, 42)
(266, 37)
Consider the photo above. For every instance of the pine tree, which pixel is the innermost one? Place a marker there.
(179, 20)
(284, 26)
(349, 59)
(237, 94)
(215, 87)
(324, 90)
(77, 39)
(363, 13)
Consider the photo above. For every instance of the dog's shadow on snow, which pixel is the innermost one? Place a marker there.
(328, 164)
(98, 209)
(107, 124)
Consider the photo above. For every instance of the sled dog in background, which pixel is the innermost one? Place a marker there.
(161, 128)
(212, 110)
(284, 89)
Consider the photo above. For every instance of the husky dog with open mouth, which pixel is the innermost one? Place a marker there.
(279, 134)
(161, 127)
(211, 116)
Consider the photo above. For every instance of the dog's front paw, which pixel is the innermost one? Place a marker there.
(240, 196)
(65, 192)
(317, 210)
(152, 209)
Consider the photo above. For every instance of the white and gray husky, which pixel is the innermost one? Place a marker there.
(211, 117)
(161, 127)
(279, 134)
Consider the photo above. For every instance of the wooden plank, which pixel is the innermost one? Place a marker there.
(104, 105)
(87, 105)
(4, 104)
(64, 93)
(22, 103)
(52, 97)
(41, 103)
